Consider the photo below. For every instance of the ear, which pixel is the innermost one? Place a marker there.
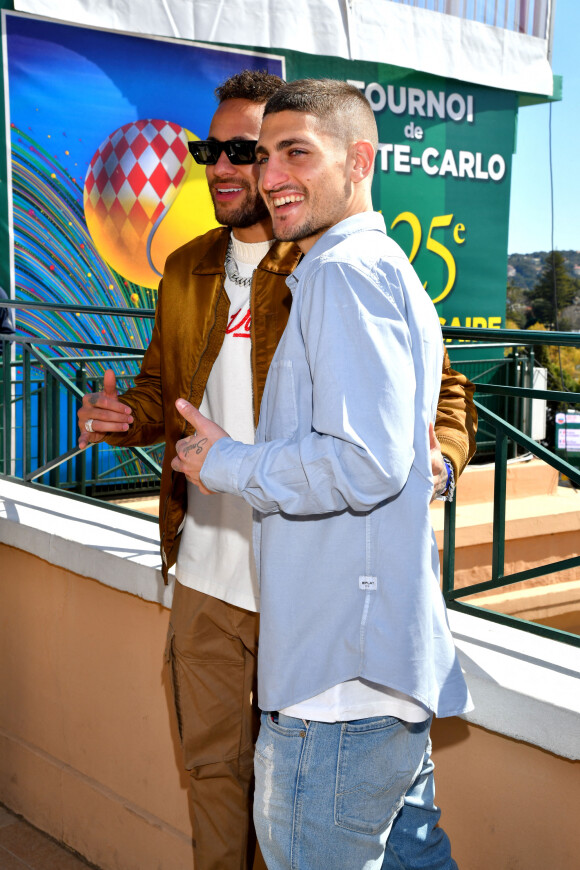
(363, 160)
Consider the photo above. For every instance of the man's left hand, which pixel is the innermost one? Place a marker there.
(438, 467)
(192, 451)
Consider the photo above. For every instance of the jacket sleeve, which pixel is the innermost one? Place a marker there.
(358, 450)
(145, 398)
(456, 422)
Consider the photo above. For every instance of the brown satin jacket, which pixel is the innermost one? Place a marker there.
(190, 324)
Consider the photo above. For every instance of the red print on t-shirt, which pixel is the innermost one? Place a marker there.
(239, 325)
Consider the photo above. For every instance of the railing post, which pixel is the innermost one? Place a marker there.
(40, 393)
(71, 431)
(26, 412)
(81, 459)
(448, 580)
(514, 404)
(43, 416)
(6, 399)
(499, 494)
(528, 382)
(94, 469)
(53, 430)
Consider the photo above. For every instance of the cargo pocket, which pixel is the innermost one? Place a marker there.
(173, 677)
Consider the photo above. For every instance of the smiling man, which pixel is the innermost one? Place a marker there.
(355, 652)
(229, 157)
(304, 179)
(223, 305)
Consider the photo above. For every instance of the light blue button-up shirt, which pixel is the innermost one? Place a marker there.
(340, 477)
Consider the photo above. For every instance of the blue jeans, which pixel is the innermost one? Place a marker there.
(327, 794)
(416, 842)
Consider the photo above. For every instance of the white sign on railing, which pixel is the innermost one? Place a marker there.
(522, 16)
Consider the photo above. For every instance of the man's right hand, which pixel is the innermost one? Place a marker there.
(104, 411)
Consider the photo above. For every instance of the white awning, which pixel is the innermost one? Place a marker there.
(372, 30)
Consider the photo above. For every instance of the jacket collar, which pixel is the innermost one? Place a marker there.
(281, 259)
(214, 254)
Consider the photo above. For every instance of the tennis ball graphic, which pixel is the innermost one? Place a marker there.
(144, 196)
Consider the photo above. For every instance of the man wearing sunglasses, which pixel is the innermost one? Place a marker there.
(207, 152)
(223, 305)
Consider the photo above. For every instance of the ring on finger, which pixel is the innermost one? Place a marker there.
(89, 426)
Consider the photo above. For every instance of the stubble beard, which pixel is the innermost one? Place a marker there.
(250, 212)
(304, 231)
(320, 219)
(313, 225)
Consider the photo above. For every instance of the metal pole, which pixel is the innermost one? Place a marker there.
(499, 494)
(81, 459)
(53, 433)
(448, 583)
(26, 409)
(551, 29)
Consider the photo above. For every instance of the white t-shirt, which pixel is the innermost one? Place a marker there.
(215, 554)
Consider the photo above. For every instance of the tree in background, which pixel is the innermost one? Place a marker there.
(563, 368)
(517, 309)
(551, 357)
(554, 284)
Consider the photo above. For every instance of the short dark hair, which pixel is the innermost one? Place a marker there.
(340, 106)
(256, 85)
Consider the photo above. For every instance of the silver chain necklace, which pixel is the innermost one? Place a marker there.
(232, 269)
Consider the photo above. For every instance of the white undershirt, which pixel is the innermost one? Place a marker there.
(215, 554)
(358, 699)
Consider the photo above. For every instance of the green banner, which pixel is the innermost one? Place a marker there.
(442, 179)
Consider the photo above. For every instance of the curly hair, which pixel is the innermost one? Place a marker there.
(250, 84)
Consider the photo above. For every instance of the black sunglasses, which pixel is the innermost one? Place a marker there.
(238, 151)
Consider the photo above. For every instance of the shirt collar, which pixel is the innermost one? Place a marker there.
(356, 223)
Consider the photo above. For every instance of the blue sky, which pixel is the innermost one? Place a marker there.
(530, 212)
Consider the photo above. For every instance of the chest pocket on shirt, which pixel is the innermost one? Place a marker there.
(281, 420)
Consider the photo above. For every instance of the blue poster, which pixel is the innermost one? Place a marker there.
(102, 185)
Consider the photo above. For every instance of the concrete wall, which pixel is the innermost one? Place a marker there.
(88, 751)
(506, 805)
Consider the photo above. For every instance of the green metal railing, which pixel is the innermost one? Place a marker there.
(39, 396)
(494, 380)
(506, 433)
(43, 376)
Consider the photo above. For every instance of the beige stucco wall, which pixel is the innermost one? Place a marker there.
(88, 751)
(506, 805)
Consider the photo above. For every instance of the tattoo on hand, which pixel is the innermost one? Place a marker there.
(94, 398)
(197, 446)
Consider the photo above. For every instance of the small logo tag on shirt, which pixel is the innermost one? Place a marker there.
(367, 583)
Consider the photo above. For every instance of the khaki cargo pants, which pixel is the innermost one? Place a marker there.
(212, 658)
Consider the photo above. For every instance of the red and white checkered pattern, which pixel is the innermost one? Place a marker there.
(134, 177)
